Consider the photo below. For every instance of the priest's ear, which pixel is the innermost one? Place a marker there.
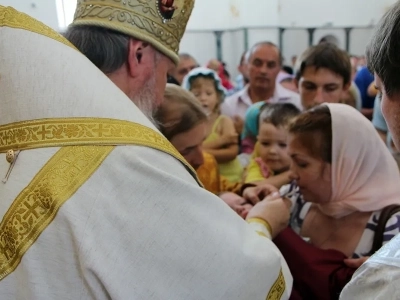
(138, 55)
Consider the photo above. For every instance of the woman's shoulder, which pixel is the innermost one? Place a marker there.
(391, 224)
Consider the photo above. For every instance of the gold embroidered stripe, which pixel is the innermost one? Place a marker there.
(84, 131)
(9, 17)
(278, 288)
(37, 205)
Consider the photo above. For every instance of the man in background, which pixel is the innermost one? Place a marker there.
(264, 62)
(185, 65)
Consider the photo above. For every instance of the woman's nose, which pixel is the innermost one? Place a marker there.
(293, 175)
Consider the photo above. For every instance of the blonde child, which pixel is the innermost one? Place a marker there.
(271, 162)
(222, 139)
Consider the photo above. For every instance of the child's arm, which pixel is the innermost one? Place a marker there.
(278, 180)
(230, 150)
(220, 143)
(253, 173)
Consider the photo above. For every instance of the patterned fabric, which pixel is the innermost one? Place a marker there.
(300, 209)
(209, 175)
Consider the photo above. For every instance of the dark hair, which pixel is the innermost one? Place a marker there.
(172, 80)
(314, 128)
(328, 56)
(249, 54)
(179, 113)
(384, 48)
(278, 114)
(106, 49)
(226, 73)
(288, 69)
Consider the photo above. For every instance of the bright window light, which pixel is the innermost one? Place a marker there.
(65, 12)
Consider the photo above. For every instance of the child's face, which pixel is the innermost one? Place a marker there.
(204, 90)
(273, 147)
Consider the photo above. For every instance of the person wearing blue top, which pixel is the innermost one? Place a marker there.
(363, 79)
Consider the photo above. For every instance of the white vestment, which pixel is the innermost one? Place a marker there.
(139, 226)
(379, 277)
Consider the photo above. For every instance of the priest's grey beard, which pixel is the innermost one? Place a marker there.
(145, 99)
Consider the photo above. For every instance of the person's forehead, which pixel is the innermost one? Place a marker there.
(268, 129)
(190, 138)
(186, 61)
(316, 75)
(265, 52)
(202, 82)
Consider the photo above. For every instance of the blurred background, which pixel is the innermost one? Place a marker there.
(224, 29)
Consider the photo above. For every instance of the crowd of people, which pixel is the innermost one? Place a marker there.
(314, 133)
(147, 176)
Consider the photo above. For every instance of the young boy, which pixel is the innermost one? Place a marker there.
(270, 162)
(323, 74)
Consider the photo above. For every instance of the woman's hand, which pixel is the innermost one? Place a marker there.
(255, 194)
(355, 262)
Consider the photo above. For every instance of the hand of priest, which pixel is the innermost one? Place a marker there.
(274, 210)
(255, 194)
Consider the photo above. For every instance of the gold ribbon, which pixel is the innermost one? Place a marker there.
(84, 131)
(37, 205)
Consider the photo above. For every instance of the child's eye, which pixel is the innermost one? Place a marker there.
(282, 145)
(265, 143)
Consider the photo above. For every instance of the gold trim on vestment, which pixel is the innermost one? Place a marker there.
(9, 17)
(262, 222)
(37, 205)
(61, 132)
(278, 288)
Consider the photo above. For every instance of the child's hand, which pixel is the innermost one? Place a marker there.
(239, 124)
(227, 140)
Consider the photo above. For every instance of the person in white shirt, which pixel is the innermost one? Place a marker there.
(264, 62)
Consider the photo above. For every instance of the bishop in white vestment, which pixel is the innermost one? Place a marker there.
(379, 277)
(95, 203)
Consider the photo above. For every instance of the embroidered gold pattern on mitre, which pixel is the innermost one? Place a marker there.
(84, 131)
(159, 22)
(278, 288)
(37, 205)
(9, 17)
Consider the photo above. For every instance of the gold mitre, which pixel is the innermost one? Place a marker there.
(161, 23)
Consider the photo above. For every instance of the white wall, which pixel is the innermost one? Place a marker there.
(261, 17)
(338, 13)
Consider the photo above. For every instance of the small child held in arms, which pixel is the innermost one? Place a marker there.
(270, 162)
(222, 139)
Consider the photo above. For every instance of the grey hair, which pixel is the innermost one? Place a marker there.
(105, 48)
(384, 48)
(250, 52)
(186, 56)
